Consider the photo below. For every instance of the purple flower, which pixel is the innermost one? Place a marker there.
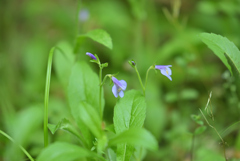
(165, 70)
(83, 15)
(91, 55)
(118, 87)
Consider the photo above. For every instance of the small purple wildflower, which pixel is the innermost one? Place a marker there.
(83, 15)
(91, 55)
(118, 87)
(165, 70)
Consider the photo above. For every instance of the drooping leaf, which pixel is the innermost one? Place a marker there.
(220, 45)
(65, 125)
(129, 112)
(97, 35)
(60, 151)
(135, 136)
(84, 86)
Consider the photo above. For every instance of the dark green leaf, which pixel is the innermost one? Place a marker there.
(60, 151)
(135, 137)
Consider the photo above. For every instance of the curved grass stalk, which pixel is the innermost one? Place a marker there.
(24, 150)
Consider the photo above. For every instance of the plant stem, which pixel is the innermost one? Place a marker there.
(151, 67)
(140, 80)
(217, 134)
(24, 151)
(192, 147)
(100, 91)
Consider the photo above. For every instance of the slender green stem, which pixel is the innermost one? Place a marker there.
(223, 142)
(100, 91)
(192, 147)
(24, 151)
(140, 80)
(151, 67)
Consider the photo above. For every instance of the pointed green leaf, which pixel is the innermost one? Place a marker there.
(135, 137)
(129, 112)
(97, 35)
(220, 45)
(84, 86)
(60, 151)
(65, 125)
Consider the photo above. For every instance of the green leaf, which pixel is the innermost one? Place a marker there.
(97, 35)
(63, 61)
(65, 125)
(200, 130)
(61, 151)
(129, 112)
(135, 137)
(90, 118)
(84, 86)
(220, 45)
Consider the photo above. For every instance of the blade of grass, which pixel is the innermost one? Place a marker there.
(46, 97)
(24, 151)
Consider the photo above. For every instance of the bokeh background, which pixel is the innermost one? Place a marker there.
(163, 32)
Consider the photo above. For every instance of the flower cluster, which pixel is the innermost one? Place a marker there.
(120, 85)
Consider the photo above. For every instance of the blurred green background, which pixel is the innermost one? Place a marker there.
(164, 32)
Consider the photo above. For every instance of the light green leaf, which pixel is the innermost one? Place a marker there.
(65, 125)
(61, 151)
(84, 86)
(90, 118)
(220, 45)
(97, 35)
(200, 130)
(135, 137)
(129, 112)
(63, 61)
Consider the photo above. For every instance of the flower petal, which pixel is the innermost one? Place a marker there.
(121, 94)
(123, 84)
(115, 90)
(91, 55)
(164, 72)
(169, 71)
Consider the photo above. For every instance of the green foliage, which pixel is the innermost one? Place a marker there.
(83, 89)
(65, 125)
(221, 45)
(60, 151)
(135, 137)
(97, 35)
(129, 112)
